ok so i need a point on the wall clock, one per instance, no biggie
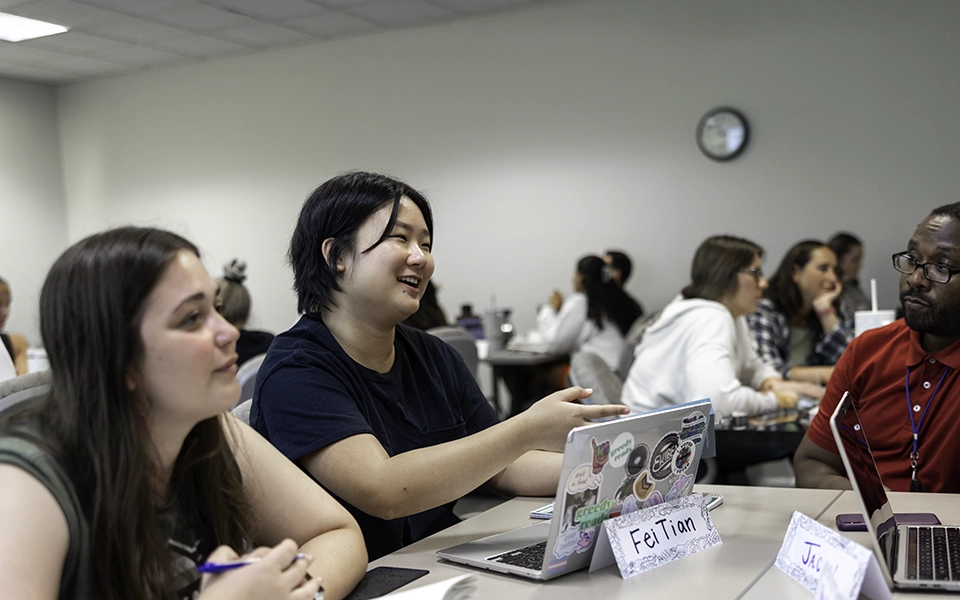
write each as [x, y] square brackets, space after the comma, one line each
[722, 133]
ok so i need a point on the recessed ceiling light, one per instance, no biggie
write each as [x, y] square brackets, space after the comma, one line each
[17, 29]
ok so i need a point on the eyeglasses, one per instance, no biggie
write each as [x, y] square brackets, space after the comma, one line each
[757, 273]
[934, 272]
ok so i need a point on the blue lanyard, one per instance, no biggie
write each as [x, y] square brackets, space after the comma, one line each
[915, 456]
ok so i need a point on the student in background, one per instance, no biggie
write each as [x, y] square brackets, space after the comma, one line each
[595, 318]
[620, 267]
[700, 347]
[130, 472]
[799, 327]
[388, 418]
[15, 346]
[849, 251]
[235, 308]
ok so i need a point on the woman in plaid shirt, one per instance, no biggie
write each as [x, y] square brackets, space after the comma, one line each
[799, 327]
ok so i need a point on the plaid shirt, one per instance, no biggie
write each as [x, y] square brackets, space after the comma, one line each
[771, 330]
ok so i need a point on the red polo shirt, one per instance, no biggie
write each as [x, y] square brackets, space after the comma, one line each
[873, 369]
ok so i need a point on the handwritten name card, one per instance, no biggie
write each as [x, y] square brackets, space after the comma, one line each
[658, 535]
[826, 563]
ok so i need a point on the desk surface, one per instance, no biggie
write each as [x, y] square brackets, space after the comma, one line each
[752, 522]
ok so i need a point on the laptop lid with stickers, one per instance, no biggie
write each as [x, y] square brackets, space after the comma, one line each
[610, 468]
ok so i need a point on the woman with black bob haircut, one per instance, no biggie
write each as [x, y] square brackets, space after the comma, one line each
[799, 326]
[387, 417]
[700, 345]
[130, 472]
[593, 319]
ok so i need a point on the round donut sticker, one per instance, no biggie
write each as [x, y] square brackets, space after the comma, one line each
[683, 457]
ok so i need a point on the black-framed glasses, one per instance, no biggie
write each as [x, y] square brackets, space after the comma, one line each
[936, 273]
[756, 272]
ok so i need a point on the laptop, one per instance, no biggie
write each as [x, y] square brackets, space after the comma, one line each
[610, 468]
[911, 556]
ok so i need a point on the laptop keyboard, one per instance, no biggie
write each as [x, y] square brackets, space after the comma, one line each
[530, 557]
[933, 553]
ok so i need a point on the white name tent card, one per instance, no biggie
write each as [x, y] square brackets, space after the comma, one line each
[646, 539]
[809, 550]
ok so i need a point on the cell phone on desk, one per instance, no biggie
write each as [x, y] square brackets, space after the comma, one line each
[854, 521]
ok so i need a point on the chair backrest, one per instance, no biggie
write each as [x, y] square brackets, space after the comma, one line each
[588, 370]
[247, 376]
[242, 410]
[462, 341]
[632, 340]
[23, 387]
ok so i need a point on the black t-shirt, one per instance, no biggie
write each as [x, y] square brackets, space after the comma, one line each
[310, 394]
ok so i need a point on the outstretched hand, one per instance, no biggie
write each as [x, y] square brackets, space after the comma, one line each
[551, 418]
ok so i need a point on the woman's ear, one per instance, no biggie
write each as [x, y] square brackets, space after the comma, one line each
[131, 381]
[326, 248]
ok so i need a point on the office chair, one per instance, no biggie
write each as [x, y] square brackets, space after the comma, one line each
[242, 410]
[18, 389]
[247, 377]
[460, 340]
[589, 371]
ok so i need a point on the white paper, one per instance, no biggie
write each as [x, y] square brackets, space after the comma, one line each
[658, 535]
[463, 587]
[809, 549]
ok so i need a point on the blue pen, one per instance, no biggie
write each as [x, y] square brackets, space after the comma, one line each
[220, 567]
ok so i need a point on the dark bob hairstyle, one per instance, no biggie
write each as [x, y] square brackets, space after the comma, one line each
[336, 210]
[716, 264]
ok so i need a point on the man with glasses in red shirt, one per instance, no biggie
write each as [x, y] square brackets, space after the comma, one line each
[904, 378]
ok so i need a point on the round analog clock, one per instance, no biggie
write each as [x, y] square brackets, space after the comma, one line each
[722, 134]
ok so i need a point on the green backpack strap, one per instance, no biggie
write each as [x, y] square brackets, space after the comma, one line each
[19, 452]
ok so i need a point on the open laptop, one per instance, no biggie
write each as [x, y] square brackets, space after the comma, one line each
[911, 556]
[610, 468]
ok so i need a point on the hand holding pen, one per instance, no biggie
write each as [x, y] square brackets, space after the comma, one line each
[266, 573]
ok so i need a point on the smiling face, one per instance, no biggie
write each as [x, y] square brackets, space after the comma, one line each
[189, 362]
[745, 298]
[819, 275]
[383, 285]
[933, 308]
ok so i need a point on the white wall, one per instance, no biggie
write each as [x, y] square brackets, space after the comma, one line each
[32, 216]
[542, 135]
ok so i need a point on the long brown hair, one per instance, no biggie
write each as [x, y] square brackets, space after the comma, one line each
[91, 306]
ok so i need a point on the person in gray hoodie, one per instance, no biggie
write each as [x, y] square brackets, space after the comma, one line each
[700, 346]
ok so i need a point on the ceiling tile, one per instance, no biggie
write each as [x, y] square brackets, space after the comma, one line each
[203, 18]
[264, 35]
[140, 56]
[273, 11]
[21, 53]
[135, 30]
[81, 65]
[200, 46]
[62, 12]
[33, 74]
[400, 13]
[72, 42]
[477, 6]
[333, 25]
[138, 7]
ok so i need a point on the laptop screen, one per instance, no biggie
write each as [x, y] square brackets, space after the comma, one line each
[865, 477]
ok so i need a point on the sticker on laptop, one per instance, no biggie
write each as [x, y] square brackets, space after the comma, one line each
[693, 427]
[661, 462]
[621, 449]
[601, 454]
